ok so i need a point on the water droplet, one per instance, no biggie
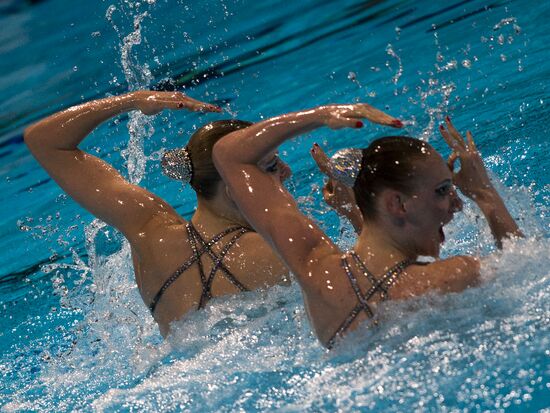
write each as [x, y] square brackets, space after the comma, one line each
[467, 64]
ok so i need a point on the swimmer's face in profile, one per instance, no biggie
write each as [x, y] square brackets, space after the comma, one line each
[431, 205]
[274, 165]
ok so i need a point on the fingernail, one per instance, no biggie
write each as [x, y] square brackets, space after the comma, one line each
[397, 123]
[358, 124]
[447, 118]
[441, 127]
[316, 145]
[180, 105]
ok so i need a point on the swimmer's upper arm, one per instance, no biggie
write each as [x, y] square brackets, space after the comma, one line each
[273, 213]
[100, 189]
[453, 274]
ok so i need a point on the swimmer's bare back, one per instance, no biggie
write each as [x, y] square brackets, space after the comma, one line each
[157, 233]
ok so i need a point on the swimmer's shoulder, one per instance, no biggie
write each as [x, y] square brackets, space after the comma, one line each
[256, 260]
[452, 274]
[163, 233]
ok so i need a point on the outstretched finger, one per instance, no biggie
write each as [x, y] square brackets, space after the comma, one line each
[198, 106]
[471, 144]
[183, 101]
[349, 120]
[377, 116]
[455, 134]
[321, 159]
[448, 138]
[328, 192]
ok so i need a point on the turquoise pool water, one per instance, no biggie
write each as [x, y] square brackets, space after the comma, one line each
[74, 334]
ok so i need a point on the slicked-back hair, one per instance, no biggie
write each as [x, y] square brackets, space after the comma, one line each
[388, 162]
[205, 176]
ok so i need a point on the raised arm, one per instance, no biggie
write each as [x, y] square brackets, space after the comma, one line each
[473, 181]
[94, 184]
[263, 199]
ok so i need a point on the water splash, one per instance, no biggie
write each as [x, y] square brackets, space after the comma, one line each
[399, 72]
[138, 76]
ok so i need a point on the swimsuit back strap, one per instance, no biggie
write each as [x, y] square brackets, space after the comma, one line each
[386, 282]
[170, 281]
[218, 264]
[194, 239]
[197, 253]
[221, 265]
[362, 306]
[218, 261]
[370, 276]
[390, 278]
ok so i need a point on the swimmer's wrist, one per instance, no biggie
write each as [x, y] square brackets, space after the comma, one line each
[130, 101]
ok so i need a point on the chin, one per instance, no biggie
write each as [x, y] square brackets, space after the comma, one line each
[431, 251]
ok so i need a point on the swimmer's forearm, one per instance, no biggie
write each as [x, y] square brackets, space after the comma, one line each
[498, 217]
[252, 144]
[66, 129]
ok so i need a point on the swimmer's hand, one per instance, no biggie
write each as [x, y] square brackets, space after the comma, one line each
[337, 195]
[349, 116]
[153, 102]
[473, 181]
[472, 178]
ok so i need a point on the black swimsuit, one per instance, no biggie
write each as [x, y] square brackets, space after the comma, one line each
[199, 246]
[382, 285]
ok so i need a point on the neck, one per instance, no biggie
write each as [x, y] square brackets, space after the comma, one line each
[379, 249]
[212, 217]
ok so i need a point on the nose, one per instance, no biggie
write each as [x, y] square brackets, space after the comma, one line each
[456, 202]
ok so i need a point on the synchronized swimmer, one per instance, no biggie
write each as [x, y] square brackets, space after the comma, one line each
[178, 265]
[405, 194]
[398, 193]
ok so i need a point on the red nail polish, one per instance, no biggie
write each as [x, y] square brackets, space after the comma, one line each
[447, 118]
[441, 127]
[397, 123]
[316, 145]
[180, 105]
[359, 124]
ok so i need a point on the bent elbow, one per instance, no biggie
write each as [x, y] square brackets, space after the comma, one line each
[220, 156]
[29, 136]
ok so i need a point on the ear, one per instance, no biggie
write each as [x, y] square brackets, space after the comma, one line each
[394, 202]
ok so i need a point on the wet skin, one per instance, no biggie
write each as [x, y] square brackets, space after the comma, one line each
[431, 205]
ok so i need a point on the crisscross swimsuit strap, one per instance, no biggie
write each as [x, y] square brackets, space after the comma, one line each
[217, 260]
[198, 251]
[381, 285]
